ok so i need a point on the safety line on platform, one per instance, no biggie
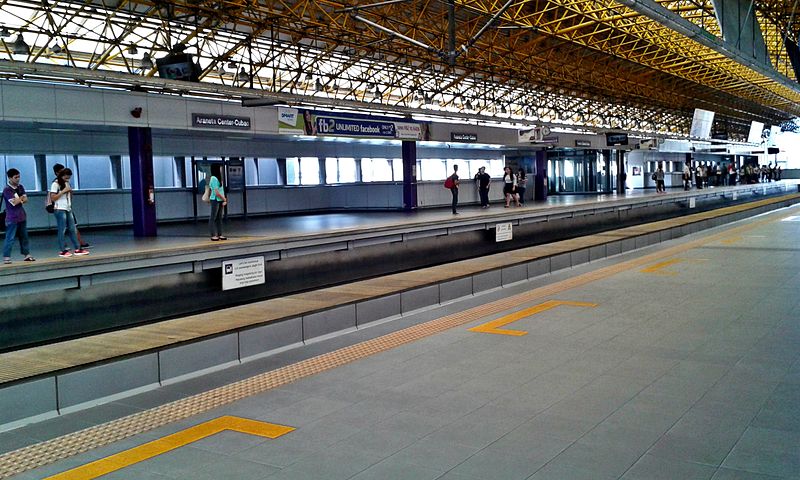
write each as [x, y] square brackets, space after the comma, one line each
[66, 446]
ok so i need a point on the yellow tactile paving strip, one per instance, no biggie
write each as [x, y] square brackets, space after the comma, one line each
[50, 451]
[32, 362]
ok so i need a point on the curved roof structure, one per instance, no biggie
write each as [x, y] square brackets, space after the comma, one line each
[637, 65]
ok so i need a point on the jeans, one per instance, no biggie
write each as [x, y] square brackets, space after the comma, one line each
[65, 223]
[484, 193]
[215, 219]
[454, 191]
[16, 230]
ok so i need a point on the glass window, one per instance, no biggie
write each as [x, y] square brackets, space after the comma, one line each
[431, 169]
[94, 172]
[268, 172]
[250, 171]
[397, 169]
[309, 171]
[293, 171]
[495, 167]
[50, 160]
[165, 175]
[376, 170]
[187, 162]
[26, 164]
[340, 170]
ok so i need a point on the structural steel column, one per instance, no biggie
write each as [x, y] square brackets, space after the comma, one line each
[621, 173]
[540, 184]
[140, 148]
[409, 175]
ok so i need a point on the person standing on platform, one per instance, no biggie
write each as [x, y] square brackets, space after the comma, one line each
[483, 181]
[61, 196]
[522, 184]
[687, 176]
[57, 168]
[14, 197]
[218, 203]
[453, 182]
[660, 188]
[509, 186]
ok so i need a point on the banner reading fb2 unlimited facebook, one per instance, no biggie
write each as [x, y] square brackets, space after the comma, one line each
[302, 121]
[354, 127]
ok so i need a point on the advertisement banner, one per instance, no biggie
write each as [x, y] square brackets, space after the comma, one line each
[299, 121]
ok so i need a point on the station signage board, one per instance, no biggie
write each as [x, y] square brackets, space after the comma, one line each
[225, 122]
[503, 232]
[463, 137]
[583, 143]
[243, 272]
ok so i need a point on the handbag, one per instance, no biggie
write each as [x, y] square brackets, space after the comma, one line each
[207, 194]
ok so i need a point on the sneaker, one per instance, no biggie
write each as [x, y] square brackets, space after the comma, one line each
[65, 254]
[7, 260]
[85, 245]
[81, 251]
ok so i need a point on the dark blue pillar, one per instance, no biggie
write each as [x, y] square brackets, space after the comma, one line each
[140, 148]
[540, 185]
[409, 175]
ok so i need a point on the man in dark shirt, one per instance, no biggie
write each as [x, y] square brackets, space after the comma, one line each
[483, 180]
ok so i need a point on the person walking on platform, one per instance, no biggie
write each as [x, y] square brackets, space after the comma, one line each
[687, 176]
[61, 196]
[659, 176]
[218, 203]
[14, 197]
[453, 186]
[483, 181]
[522, 184]
[509, 186]
[57, 168]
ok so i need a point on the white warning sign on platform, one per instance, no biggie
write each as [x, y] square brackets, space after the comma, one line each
[691, 202]
[242, 272]
[502, 232]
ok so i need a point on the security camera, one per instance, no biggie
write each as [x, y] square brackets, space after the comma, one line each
[136, 112]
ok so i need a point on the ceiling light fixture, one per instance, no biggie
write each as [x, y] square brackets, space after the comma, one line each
[4, 32]
[132, 49]
[20, 47]
[146, 62]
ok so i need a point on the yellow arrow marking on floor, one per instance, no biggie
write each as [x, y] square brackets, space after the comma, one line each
[658, 267]
[171, 442]
[494, 325]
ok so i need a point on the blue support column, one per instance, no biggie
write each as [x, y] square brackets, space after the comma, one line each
[409, 175]
[540, 185]
[140, 148]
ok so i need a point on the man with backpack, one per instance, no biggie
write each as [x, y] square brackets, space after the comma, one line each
[452, 184]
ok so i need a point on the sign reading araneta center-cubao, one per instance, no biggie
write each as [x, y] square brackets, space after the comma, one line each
[242, 272]
[225, 122]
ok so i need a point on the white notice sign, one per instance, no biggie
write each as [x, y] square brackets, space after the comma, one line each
[691, 202]
[242, 272]
[502, 232]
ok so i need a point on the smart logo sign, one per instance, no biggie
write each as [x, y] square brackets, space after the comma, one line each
[202, 120]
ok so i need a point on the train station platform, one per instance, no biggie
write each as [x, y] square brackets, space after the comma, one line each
[675, 358]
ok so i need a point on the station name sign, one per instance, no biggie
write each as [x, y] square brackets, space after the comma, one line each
[463, 137]
[203, 120]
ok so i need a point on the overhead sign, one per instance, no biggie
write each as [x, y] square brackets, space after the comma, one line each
[306, 122]
[243, 272]
[463, 137]
[503, 232]
[613, 139]
[533, 135]
[583, 143]
[204, 120]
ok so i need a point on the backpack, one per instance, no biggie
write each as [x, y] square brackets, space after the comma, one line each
[449, 183]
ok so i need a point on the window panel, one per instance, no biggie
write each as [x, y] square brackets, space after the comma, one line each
[164, 172]
[94, 172]
[347, 170]
[331, 170]
[429, 169]
[26, 164]
[268, 172]
[397, 170]
[309, 171]
[250, 171]
[293, 171]
[376, 170]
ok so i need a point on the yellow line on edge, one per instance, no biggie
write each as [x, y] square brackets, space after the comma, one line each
[656, 268]
[494, 325]
[171, 442]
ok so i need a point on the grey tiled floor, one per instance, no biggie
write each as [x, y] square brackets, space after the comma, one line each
[694, 375]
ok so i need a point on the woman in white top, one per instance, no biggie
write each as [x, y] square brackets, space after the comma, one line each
[510, 186]
[61, 196]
